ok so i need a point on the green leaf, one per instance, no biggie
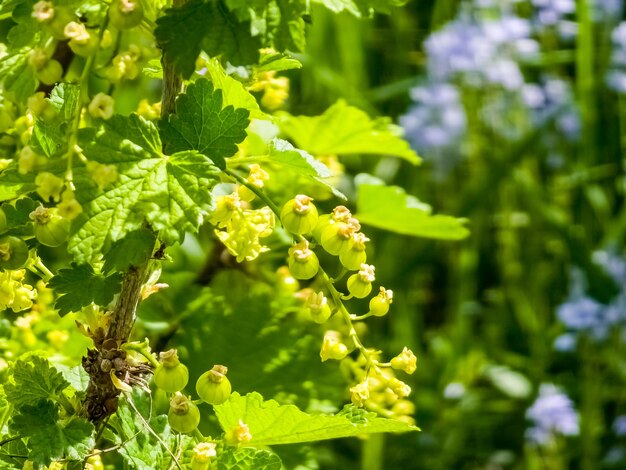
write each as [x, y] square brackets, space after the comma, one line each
[233, 92]
[139, 448]
[50, 135]
[343, 130]
[132, 250]
[209, 25]
[13, 184]
[337, 6]
[201, 123]
[11, 451]
[18, 213]
[277, 62]
[17, 77]
[34, 379]
[50, 438]
[271, 423]
[247, 458]
[284, 154]
[171, 193]
[390, 208]
[265, 350]
[79, 286]
[289, 33]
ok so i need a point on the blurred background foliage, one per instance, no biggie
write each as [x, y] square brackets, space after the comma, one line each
[518, 111]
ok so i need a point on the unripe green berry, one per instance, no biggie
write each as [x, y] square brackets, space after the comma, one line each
[13, 252]
[318, 307]
[126, 14]
[323, 221]
[299, 215]
[405, 361]
[355, 255]
[50, 73]
[332, 347]
[50, 228]
[171, 376]
[303, 263]
[184, 415]
[379, 305]
[336, 237]
[213, 387]
[360, 284]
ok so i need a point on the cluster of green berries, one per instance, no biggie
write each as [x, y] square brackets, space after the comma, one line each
[62, 23]
[172, 376]
[50, 229]
[339, 234]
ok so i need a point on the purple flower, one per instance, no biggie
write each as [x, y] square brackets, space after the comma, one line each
[552, 414]
[619, 426]
[437, 118]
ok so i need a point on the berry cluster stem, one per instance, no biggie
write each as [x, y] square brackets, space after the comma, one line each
[335, 294]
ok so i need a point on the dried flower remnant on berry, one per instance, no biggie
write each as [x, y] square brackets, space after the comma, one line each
[405, 361]
[332, 347]
[101, 106]
[303, 262]
[359, 394]
[43, 11]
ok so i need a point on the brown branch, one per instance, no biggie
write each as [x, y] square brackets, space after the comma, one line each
[102, 396]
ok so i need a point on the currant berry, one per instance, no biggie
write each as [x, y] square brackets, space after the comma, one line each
[13, 252]
[354, 256]
[94, 463]
[379, 305]
[213, 387]
[126, 14]
[299, 215]
[50, 228]
[318, 307]
[50, 73]
[303, 263]
[332, 347]
[405, 361]
[171, 376]
[360, 284]
[336, 237]
[183, 415]
[323, 221]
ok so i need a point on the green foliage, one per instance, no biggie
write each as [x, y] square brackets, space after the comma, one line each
[50, 134]
[17, 214]
[138, 445]
[264, 350]
[247, 458]
[201, 123]
[34, 379]
[49, 437]
[209, 26]
[390, 208]
[131, 251]
[345, 130]
[168, 192]
[17, 78]
[79, 286]
[271, 423]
